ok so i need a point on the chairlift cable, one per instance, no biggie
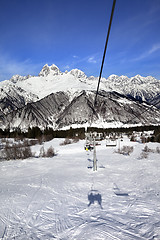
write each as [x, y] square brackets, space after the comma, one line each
[108, 33]
[95, 100]
[105, 48]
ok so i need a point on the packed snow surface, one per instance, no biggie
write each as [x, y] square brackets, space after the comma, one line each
[61, 198]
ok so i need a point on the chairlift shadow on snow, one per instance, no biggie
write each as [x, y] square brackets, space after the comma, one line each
[119, 192]
[90, 163]
[95, 196]
[90, 160]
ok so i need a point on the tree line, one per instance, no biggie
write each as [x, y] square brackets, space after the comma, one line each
[48, 133]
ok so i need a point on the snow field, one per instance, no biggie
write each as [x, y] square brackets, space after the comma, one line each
[47, 198]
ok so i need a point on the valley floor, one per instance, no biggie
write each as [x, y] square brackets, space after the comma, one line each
[61, 198]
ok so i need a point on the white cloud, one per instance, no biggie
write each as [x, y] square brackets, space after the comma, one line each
[74, 56]
[10, 67]
[92, 60]
[153, 49]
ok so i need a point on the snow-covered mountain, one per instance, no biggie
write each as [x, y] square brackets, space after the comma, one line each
[13, 97]
[58, 111]
[59, 99]
[141, 88]
[51, 80]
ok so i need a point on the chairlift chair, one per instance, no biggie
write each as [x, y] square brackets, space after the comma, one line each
[89, 142]
[88, 146]
[111, 142]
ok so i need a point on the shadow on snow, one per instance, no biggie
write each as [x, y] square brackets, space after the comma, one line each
[95, 196]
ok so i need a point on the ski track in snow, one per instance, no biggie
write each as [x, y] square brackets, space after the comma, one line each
[48, 198]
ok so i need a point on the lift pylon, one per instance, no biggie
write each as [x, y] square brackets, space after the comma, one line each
[94, 156]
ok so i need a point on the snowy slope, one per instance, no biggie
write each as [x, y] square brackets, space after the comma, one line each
[51, 80]
[46, 199]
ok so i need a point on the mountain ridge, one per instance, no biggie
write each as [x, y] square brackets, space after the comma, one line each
[62, 99]
[58, 111]
[51, 79]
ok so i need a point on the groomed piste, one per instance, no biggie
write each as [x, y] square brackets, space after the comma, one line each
[61, 198]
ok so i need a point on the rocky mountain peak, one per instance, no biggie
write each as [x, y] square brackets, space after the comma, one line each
[78, 73]
[16, 78]
[138, 79]
[46, 70]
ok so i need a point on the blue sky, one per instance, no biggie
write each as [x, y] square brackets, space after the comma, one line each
[71, 34]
